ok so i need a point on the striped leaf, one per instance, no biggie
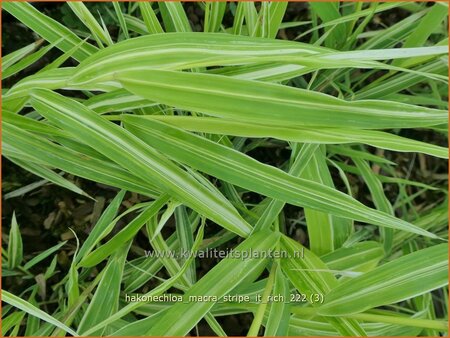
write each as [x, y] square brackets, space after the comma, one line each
[403, 278]
[256, 102]
[183, 316]
[134, 155]
[240, 169]
[15, 245]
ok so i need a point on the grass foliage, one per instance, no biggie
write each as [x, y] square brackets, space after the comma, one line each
[196, 122]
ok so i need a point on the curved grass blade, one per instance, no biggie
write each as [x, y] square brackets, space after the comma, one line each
[48, 175]
[150, 19]
[43, 255]
[374, 138]
[361, 257]
[27, 61]
[123, 24]
[403, 278]
[126, 234]
[179, 319]
[49, 29]
[134, 155]
[142, 325]
[326, 232]
[106, 298]
[12, 58]
[102, 226]
[86, 17]
[18, 143]
[257, 102]
[34, 311]
[189, 50]
[309, 276]
[240, 169]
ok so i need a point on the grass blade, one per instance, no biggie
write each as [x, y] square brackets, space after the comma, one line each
[49, 29]
[184, 316]
[15, 245]
[34, 311]
[253, 101]
[400, 279]
[240, 169]
[134, 155]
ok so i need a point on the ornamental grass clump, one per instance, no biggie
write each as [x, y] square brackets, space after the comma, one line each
[280, 164]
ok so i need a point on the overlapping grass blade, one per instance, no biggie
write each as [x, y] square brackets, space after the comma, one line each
[27, 61]
[102, 227]
[48, 175]
[106, 298]
[379, 198]
[214, 12]
[134, 155]
[184, 316]
[253, 101]
[397, 280]
[309, 275]
[240, 169]
[25, 145]
[326, 232]
[25, 306]
[43, 255]
[361, 257]
[48, 28]
[122, 22]
[150, 19]
[279, 312]
[174, 17]
[377, 139]
[86, 17]
[187, 50]
[124, 235]
[12, 58]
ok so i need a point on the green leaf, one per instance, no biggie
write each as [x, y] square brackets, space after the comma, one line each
[279, 312]
[362, 256]
[174, 17]
[326, 232]
[140, 326]
[131, 153]
[301, 134]
[43, 255]
[106, 298]
[49, 175]
[150, 19]
[127, 233]
[379, 198]
[34, 311]
[48, 28]
[403, 278]
[19, 143]
[256, 102]
[310, 276]
[329, 11]
[102, 227]
[13, 57]
[27, 61]
[240, 169]
[182, 317]
[123, 24]
[15, 246]
[86, 17]
[214, 12]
